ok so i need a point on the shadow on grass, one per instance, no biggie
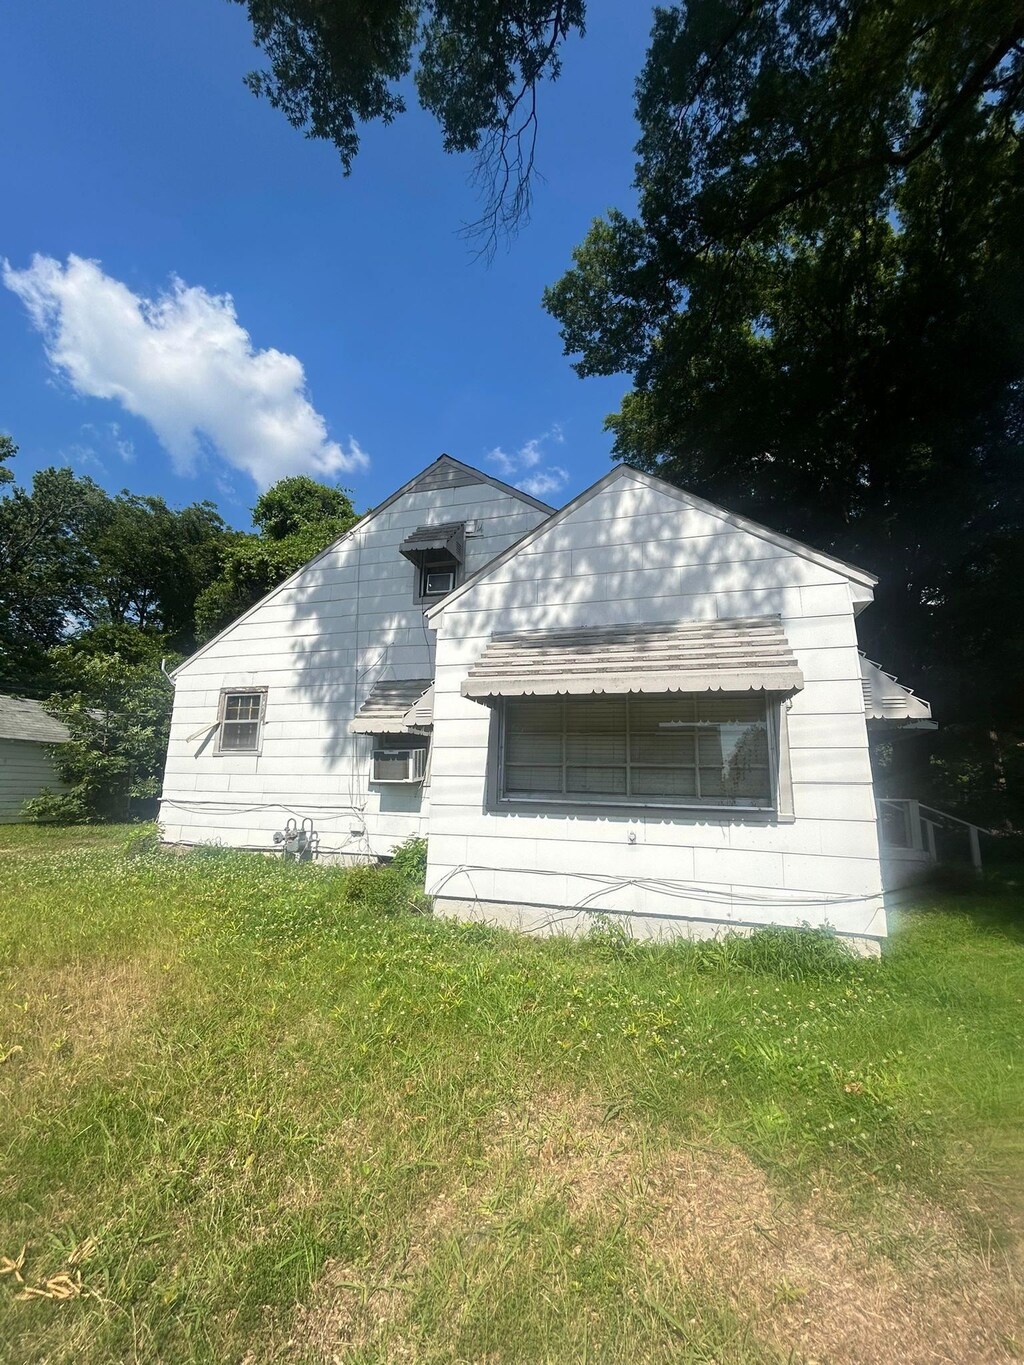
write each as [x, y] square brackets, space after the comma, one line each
[993, 902]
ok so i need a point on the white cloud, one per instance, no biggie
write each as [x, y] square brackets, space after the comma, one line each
[525, 468]
[109, 433]
[183, 363]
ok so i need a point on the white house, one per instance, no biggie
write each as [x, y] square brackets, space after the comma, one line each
[27, 736]
[640, 706]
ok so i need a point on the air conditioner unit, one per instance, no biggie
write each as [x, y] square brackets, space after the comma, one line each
[399, 765]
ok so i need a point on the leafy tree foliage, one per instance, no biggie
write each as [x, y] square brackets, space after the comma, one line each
[296, 519]
[116, 704]
[96, 590]
[335, 64]
[151, 562]
[46, 568]
[8, 450]
[821, 302]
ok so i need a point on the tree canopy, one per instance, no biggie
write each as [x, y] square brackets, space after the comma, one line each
[96, 590]
[477, 67]
[821, 303]
[295, 520]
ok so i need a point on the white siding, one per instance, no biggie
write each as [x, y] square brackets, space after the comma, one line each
[318, 646]
[25, 769]
[633, 554]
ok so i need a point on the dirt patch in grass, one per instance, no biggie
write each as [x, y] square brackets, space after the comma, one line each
[902, 1285]
[77, 1011]
[813, 1281]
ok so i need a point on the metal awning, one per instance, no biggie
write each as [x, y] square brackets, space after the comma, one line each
[739, 655]
[888, 702]
[447, 539]
[396, 706]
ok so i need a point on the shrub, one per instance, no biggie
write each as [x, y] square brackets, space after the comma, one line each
[409, 860]
[58, 808]
[378, 888]
[791, 954]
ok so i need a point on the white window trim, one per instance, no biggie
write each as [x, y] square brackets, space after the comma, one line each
[422, 568]
[779, 808]
[226, 692]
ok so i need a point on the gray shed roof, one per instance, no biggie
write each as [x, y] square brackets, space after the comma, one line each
[739, 655]
[23, 718]
[396, 706]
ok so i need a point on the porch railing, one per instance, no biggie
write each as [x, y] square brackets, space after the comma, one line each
[912, 825]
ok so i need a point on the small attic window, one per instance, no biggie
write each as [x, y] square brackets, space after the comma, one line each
[438, 573]
[437, 553]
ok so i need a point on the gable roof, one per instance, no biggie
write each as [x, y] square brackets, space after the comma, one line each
[620, 471]
[445, 472]
[25, 719]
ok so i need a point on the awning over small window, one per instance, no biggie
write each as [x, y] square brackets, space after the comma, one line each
[448, 539]
[888, 702]
[740, 655]
[396, 706]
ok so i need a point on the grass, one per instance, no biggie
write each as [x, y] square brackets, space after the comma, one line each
[258, 1112]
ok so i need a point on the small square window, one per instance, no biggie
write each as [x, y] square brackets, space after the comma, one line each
[241, 720]
[437, 582]
[438, 575]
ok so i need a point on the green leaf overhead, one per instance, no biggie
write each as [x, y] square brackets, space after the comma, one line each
[477, 67]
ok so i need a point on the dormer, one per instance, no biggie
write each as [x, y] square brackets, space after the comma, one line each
[438, 554]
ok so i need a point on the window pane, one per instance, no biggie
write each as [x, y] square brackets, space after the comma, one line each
[678, 782]
[710, 748]
[671, 746]
[438, 583]
[240, 735]
[596, 717]
[537, 717]
[520, 778]
[242, 706]
[595, 750]
[609, 781]
[753, 783]
[656, 715]
[523, 747]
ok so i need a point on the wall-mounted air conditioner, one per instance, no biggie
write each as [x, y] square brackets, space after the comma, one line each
[399, 765]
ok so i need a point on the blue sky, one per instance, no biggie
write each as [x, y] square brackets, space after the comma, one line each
[131, 141]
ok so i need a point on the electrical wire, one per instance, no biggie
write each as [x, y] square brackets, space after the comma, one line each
[680, 890]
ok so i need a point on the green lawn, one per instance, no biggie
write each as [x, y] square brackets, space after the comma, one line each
[257, 1112]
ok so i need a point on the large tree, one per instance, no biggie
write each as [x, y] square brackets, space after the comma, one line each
[47, 581]
[478, 65]
[151, 562]
[821, 303]
[295, 520]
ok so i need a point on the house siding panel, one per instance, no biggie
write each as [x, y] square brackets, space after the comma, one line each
[319, 644]
[636, 555]
[25, 769]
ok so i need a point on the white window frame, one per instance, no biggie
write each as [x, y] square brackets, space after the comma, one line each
[222, 720]
[424, 567]
[779, 805]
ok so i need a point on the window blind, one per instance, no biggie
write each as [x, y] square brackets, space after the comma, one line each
[704, 749]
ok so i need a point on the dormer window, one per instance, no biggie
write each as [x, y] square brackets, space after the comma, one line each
[438, 575]
[437, 554]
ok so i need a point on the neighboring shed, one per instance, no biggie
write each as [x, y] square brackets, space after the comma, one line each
[27, 736]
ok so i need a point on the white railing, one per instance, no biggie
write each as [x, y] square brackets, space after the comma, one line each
[912, 825]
